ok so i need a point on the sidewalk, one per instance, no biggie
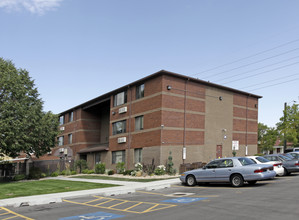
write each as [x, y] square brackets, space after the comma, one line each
[124, 188]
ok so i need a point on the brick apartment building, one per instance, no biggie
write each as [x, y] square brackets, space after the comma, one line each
[161, 113]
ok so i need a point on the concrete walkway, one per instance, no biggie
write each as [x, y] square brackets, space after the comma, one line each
[124, 188]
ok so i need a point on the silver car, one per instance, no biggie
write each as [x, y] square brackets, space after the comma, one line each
[234, 170]
[290, 165]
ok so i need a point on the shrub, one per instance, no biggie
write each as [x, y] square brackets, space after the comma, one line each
[19, 177]
[54, 174]
[43, 175]
[169, 166]
[100, 168]
[90, 172]
[160, 170]
[149, 168]
[73, 172]
[81, 164]
[34, 173]
[120, 167]
[66, 172]
[85, 171]
[110, 172]
[128, 172]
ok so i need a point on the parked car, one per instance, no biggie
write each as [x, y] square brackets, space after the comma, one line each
[278, 168]
[290, 165]
[294, 155]
[234, 170]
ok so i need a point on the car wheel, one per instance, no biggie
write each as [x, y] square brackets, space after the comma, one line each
[190, 180]
[237, 180]
[252, 182]
[285, 172]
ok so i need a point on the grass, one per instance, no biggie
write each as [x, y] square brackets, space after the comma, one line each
[30, 188]
[120, 178]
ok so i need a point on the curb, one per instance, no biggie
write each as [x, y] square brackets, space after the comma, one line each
[59, 197]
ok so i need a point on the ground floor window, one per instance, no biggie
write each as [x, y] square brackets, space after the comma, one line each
[97, 157]
[118, 156]
[138, 155]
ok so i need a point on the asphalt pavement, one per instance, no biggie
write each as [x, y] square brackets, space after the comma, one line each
[125, 187]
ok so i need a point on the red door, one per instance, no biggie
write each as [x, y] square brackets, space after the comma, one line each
[219, 151]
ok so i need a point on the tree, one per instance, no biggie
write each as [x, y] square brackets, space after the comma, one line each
[24, 127]
[288, 126]
[266, 137]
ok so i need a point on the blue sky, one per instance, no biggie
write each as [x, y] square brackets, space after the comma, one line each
[76, 50]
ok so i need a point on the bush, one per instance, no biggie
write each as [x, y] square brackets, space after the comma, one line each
[19, 177]
[120, 167]
[85, 171]
[73, 172]
[81, 164]
[66, 172]
[90, 172]
[54, 174]
[128, 172]
[43, 175]
[110, 172]
[160, 170]
[100, 168]
[34, 173]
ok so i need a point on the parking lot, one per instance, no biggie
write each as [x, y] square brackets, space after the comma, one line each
[273, 199]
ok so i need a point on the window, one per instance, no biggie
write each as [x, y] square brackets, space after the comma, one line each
[245, 161]
[212, 164]
[140, 91]
[120, 98]
[118, 156]
[139, 123]
[60, 141]
[61, 120]
[225, 163]
[119, 127]
[71, 116]
[138, 155]
[97, 157]
[70, 137]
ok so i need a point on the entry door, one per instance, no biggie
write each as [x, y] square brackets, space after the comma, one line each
[219, 151]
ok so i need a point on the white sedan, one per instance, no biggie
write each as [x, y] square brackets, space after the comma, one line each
[278, 168]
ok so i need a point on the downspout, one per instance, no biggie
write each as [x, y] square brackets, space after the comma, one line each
[130, 136]
[246, 135]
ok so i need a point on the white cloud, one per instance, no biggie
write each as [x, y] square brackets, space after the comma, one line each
[33, 6]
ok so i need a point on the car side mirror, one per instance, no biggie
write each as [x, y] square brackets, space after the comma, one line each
[204, 167]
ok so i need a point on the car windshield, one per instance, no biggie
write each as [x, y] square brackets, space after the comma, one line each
[262, 159]
[284, 157]
[245, 161]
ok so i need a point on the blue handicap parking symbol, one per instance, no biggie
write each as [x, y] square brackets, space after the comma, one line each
[184, 200]
[95, 215]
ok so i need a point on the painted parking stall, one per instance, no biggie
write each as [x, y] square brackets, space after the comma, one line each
[94, 216]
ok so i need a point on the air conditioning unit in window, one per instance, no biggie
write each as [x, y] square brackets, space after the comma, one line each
[62, 128]
[61, 150]
[122, 140]
[122, 110]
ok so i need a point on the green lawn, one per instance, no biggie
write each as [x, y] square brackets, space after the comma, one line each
[119, 178]
[30, 188]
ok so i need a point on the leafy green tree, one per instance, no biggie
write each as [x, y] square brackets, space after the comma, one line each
[24, 127]
[288, 126]
[266, 137]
